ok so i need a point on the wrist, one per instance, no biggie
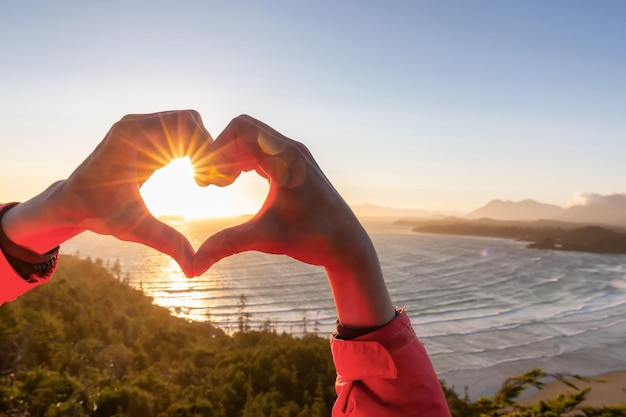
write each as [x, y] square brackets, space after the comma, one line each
[41, 223]
[33, 267]
[346, 332]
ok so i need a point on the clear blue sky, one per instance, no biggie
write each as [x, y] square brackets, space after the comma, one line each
[436, 105]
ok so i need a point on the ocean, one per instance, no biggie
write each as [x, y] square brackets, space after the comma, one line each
[485, 309]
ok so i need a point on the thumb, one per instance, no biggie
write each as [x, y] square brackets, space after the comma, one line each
[225, 243]
[153, 233]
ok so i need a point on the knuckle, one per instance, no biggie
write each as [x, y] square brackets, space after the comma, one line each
[229, 246]
[238, 122]
[128, 117]
[303, 148]
[194, 113]
[119, 125]
[243, 118]
[191, 118]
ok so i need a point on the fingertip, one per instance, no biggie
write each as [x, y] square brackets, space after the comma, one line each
[201, 178]
[186, 264]
[204, 180]
[217, 170]
[220, 177]
[188, 271]
[200, 266]
[185, 259]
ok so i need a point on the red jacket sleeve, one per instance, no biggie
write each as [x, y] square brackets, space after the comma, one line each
[12, 285]
[386, 373]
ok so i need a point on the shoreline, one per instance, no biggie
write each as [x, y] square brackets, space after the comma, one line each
[540, 234]
[606, 389]
[588, 362]
[456, 370]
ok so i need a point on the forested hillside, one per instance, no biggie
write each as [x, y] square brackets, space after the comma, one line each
[87, 344]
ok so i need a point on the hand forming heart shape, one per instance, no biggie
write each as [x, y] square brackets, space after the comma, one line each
[303, 216]
[102, 194]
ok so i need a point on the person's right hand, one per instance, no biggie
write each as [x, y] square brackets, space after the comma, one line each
[303, 217]
[102, 194]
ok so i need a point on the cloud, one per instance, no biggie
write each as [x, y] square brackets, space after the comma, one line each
[588, 199]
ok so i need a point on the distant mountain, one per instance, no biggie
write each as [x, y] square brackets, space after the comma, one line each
[516, 210]
[372, 210]
[588, 208]
[597, 209]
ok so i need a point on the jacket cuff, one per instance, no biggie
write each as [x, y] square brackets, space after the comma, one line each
[13, 285]
[370, 355]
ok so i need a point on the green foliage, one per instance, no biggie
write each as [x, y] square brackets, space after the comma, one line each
[604, 411]
[504, 403]
[89, 345]
[459, 407]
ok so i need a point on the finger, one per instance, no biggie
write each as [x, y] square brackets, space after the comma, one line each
[195, 141]
[227, 158]
[151, 232]
[219, 168]
[225, 243]
[178, 133]
[158, 138]
[184, 134]
[248, 144]
[273, 132]
[173, 134]
[198, 142]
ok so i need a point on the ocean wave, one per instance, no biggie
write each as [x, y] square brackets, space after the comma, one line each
[475, 303]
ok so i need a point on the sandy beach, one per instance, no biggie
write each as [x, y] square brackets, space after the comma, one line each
[606, 389]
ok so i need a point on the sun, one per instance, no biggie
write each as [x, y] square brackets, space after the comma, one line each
[171, 190]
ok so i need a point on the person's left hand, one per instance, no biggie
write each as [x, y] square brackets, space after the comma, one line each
[303, 217]
[102, 194]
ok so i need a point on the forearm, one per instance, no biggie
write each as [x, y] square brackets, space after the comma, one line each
[382, 368]
[358, 287]
[40, 224]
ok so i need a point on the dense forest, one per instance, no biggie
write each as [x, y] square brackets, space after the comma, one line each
[87, 344]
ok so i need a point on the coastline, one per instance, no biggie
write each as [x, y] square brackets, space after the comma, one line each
[540, 234]
[591, 362]
[606, 389]
[483, 368]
